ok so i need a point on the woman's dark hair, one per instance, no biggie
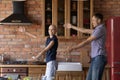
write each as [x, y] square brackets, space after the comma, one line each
[99, 16]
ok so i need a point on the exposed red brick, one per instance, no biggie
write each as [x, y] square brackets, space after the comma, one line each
[107, 7]
[18, 44]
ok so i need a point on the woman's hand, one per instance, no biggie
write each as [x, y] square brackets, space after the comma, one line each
[68, 25]
[34, 58]
[21, 29]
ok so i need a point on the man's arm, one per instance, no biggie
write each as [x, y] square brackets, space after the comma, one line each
[89, 31]
[82, 44]
[83, 30]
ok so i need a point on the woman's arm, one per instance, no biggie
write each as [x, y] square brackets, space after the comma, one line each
[22, 29]
[45, 49]
[89, 31]
[31, 35]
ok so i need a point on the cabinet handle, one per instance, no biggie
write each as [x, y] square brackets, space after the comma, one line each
[116, 62]
[117, 73]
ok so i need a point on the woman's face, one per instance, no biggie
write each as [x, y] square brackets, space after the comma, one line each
[52, 30]
[95, 21]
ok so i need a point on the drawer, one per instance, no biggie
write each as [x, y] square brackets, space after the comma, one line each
[36, 70]
[14, 70]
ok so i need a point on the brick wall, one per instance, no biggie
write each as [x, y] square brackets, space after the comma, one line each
[19, 45]
[107, 7]
[14, 43]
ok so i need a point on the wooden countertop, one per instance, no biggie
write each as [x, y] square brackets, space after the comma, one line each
[87, 66]
[107, 66]
[28, 65]
[2, 65]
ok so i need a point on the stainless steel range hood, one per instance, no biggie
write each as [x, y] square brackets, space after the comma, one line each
[18, 17]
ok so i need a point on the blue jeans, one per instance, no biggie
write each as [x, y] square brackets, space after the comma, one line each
[96, 68]
[50, 70]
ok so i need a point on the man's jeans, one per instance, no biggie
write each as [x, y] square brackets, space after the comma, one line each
[96, 68]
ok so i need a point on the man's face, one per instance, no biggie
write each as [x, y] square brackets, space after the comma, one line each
[51, 30]
[95, 21]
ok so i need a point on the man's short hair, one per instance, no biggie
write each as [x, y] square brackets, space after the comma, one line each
[99, 16]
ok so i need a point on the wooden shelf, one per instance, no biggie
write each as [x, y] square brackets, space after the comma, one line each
[62, 12]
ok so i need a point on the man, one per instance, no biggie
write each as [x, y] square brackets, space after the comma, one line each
[97, 40]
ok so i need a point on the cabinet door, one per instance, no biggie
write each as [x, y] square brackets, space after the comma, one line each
[54, 14]
[86, 15]
[69, 75]
[60, 17]
[76, 75]
[80, 13]
[36, 72]
[59, 12]
[73, 16]
[48, 15]
[62, 76]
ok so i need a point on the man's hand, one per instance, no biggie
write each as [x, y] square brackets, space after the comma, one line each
[68, 25]
[21, 29]
[68, 50]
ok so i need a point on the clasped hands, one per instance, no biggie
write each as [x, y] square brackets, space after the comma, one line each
[68, 50]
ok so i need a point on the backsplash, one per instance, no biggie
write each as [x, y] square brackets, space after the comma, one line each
[17, 45]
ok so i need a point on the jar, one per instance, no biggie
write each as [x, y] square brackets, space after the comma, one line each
[48, 20]
[48, 6]
[2, 58]
[74, 19]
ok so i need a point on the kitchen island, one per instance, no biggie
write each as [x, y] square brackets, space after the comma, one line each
[80, 75]
[34, 71]
[37, 71]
